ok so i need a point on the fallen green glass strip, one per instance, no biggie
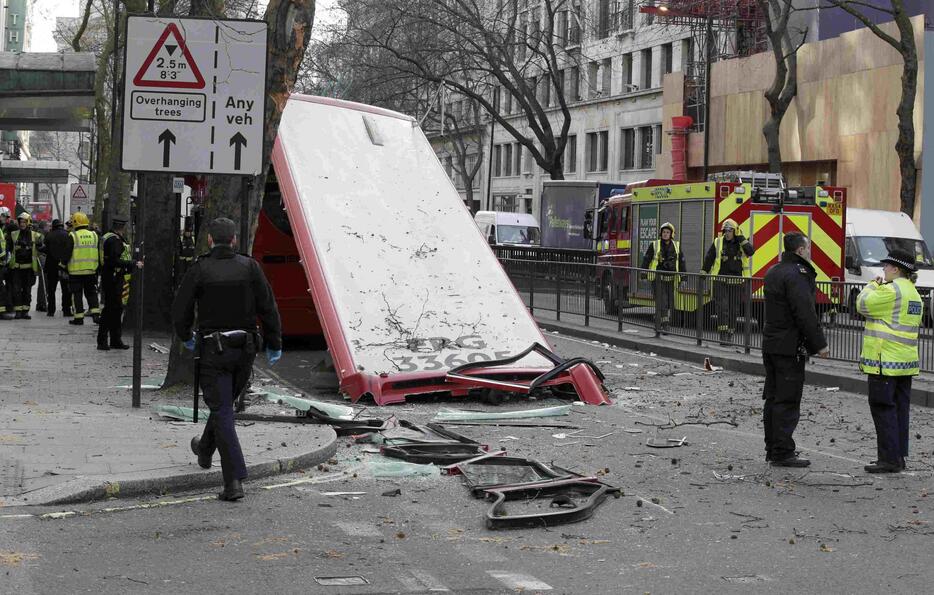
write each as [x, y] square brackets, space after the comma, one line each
[329, 409]
[446, 414]
[180, 413]
[389, 469]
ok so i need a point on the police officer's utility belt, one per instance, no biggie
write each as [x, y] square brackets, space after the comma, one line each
[233, 339]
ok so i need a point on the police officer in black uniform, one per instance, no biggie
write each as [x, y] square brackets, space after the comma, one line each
[792, 332]
[115, 264]
[228, 291]
[56, 255]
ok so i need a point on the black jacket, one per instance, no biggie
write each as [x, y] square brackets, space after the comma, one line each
[57, 245]
[230, 291]
[790, 317]
[112, 251]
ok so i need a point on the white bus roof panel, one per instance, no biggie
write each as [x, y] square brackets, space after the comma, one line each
[402, 278]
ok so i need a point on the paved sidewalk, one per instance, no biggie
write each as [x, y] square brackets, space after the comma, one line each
[828, 373]
[68, 432]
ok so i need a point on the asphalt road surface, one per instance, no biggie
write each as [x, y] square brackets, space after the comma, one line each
[709, 516]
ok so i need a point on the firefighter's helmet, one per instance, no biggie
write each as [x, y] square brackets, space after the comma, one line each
[729, 224]
[669, 225]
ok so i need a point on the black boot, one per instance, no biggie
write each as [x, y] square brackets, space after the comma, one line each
[50, 313]
[204, 461]
[76, 321]
[103, 347]
[792, 461]
[26, 316]
[883, 467]
[232, 491]
[119, 345]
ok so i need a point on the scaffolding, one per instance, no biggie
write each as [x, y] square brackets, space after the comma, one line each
[735, 28]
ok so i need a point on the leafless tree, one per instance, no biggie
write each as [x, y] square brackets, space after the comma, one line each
[785, 41]
[904, 43]
[510, 59]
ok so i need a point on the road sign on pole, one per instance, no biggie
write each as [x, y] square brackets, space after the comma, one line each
[194, 95]
[82, 197]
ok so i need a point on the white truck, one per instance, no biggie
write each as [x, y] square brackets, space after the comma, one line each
[508, 229]
[870, 236]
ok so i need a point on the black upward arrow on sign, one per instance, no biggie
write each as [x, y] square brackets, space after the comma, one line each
[166, 138]
[238, 141]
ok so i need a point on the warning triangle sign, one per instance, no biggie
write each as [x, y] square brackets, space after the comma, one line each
[79, 192]
[169, 64]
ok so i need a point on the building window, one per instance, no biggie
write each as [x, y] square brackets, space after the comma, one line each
[606, 79]
[687, 55]
[658, 139]
[517, 152]
[545, 90]
[626, 77]
[561, 28]
[647, 68]
[449, 167]
[570, 154]
[507, 160]
[471, 164]
[596, 151]
[603, 19]
[667, 58]
[574, 23]
[627, 148]
[560, 86]
[574, 84]
[593, 70]
[647, 147]
[497, 161]
[507, 102]
[626, 11]
[527, 162]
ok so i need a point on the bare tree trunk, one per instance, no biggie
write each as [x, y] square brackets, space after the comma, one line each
[290, 23]
[905, 146]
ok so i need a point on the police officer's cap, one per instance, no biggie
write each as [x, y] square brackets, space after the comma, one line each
[902, 260]
[120, 219]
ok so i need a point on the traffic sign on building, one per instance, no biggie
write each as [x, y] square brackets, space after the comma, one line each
[194, 95]
[82, 197]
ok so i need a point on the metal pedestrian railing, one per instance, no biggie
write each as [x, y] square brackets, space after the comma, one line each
[719, 310]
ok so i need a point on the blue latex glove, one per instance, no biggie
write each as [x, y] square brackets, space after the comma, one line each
[190, 343]
[273, 355]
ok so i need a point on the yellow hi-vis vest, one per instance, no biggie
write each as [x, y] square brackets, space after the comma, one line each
[85, 257]
[125, 255]
[718, 243]
[34, 261]
[654, 264]
[893, 314]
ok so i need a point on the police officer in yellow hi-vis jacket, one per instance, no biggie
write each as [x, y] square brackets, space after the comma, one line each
[893, 311]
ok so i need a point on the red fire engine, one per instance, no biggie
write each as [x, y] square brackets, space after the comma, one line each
[763, 207]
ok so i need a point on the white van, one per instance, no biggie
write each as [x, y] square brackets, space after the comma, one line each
[870, 235]
[509, 229]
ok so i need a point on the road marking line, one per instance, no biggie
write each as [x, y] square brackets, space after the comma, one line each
[17, 516]
[311, 480]
[358, 529]
[67, 514]
[518, 581]
[422, 581]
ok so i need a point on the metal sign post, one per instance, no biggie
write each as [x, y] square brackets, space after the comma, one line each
[194, 94]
